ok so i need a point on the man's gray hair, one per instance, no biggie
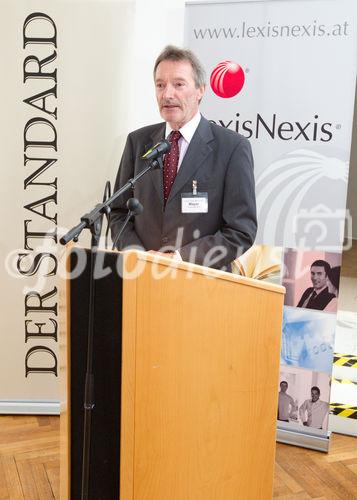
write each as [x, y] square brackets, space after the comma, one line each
[172, 53]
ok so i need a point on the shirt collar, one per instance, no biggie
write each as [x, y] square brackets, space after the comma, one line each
[319, 291]
[188, 129]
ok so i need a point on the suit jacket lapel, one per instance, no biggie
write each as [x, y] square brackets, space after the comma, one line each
[156, 175]
[197, 152]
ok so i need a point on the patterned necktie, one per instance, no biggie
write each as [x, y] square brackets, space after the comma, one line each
[171, 162]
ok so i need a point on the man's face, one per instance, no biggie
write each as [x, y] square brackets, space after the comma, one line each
[176, 92]
[283, 386]
[318, 277]
[314, 395]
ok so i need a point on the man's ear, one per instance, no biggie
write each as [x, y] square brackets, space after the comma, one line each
[202, 90]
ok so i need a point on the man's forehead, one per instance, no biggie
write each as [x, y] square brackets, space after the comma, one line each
[318, 269]
[176, 69]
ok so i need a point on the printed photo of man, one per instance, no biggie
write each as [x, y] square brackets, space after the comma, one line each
[313, 412]
[317, 296]
[286, 404]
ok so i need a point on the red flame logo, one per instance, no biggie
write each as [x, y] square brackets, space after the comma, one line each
[227, 79]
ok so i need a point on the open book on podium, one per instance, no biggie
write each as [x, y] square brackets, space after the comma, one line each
[261, 262]
[186, 366]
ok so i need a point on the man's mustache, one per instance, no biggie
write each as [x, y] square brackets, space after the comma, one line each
[170, 103]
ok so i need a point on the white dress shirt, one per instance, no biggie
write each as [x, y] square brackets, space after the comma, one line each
[316, 413]
[187, 132]
[284, 403]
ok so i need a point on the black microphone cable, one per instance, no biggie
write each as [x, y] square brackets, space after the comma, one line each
[107, 194]
[134, 208]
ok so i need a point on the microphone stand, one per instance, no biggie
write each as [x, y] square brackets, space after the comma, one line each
[93, 221]
[88, 220]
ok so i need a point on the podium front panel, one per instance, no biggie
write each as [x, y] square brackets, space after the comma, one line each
[105, 432]
[200, 384]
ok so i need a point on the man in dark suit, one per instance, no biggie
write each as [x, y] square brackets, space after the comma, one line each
[213, 227]
[317, 296]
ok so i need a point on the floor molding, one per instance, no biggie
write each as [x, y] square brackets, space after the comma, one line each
[29, 407]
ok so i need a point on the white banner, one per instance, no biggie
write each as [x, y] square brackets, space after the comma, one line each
[283, 75]
[72, 87]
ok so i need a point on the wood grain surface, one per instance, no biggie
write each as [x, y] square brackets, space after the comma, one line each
[202, 357]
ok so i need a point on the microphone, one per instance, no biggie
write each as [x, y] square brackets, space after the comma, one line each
[135, 208]
[156, 151]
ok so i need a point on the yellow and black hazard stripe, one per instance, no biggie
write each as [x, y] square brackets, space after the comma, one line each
[349, 360]
[346, 411]
[343, 381]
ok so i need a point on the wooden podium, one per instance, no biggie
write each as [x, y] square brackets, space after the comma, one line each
[195, 368]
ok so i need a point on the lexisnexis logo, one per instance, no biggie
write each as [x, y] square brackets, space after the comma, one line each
[277, 128]
[227, 79]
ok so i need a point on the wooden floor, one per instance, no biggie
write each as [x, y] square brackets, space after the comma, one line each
[304, 474]
[29, 457]
[29, 464]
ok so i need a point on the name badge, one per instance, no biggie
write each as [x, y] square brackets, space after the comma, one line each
[194, 203]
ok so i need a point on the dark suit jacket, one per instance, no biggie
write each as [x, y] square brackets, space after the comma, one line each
[221, 162]
[319, 302]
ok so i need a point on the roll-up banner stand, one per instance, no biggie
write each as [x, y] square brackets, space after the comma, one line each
[72, 88]
[282, 73]
[59, 83]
